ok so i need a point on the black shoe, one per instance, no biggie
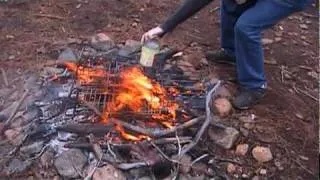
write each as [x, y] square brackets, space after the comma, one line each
[247, 98]
[220, 56]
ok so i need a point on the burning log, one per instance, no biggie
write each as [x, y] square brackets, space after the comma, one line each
[158, 132]
[145, 131]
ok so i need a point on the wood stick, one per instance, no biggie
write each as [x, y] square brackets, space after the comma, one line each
[145, 131]
[127, 166]
[4, 76]
[14, 112]
[305, 93]
[157, 132]
[95, 148]
[161, 141]
[87, 146]
[49, 16]
[84, 129]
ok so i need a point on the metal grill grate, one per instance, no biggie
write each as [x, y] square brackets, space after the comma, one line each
[103, 89]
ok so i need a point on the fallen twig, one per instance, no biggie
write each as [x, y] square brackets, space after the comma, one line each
[157, 132]
[207, 121]
[4, 76]
[90, 174]
[163, 154]
[49, 16]
[303, 167]
[109, 147]
[298, 90]
[127, 166]
[14, 112]
[282, 74]
[179, 144]
[40, 153]
[228, 160]
[95, 147]
[199, 158]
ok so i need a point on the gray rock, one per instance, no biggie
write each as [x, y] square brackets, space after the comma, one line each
[102, 42]
[185, 163]
[67, 55]
[277, 39]
[256, 178]
[313, 74]
[88, 51]
[303, 26]
[204, 61]
[223, 92]
[135, 46]
[130, 48]
[32, 148]
[242, 149]
[262, 154]
[11, 57]
[18, 166]
[46, 158]
[70, 163]
[224, 137]
[15, 136]
[52, 70]
[108, 172]
[5, 92]
[31, 83]
[7, 111]
[136, 173]
[247, 118]
[30, 115]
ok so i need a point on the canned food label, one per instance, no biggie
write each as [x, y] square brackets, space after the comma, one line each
[147, 56]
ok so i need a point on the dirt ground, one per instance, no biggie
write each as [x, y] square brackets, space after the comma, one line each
[287, 118]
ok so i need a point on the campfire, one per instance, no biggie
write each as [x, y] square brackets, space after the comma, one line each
[122, 113]
[123, 96]
[126, 93]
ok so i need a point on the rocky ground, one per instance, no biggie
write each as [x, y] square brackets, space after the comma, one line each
[277, 139]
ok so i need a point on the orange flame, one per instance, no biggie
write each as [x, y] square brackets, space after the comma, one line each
[135, 92]
[86, 75]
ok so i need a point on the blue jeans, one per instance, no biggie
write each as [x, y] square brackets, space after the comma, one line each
[241, 27]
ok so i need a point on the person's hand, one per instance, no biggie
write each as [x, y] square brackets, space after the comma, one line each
[153, 33]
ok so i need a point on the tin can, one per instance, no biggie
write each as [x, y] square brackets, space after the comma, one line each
[148, 52]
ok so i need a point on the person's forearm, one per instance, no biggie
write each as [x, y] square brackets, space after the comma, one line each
[186, 10]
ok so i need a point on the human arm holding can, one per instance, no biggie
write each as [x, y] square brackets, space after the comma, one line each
[186, 10]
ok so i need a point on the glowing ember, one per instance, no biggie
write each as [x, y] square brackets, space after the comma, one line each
[130, 136]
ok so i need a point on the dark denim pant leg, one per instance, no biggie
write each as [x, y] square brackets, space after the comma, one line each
[228, 20]
[248, 47]
[229, 14]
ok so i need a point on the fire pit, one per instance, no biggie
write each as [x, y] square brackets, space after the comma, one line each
[124, 114]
